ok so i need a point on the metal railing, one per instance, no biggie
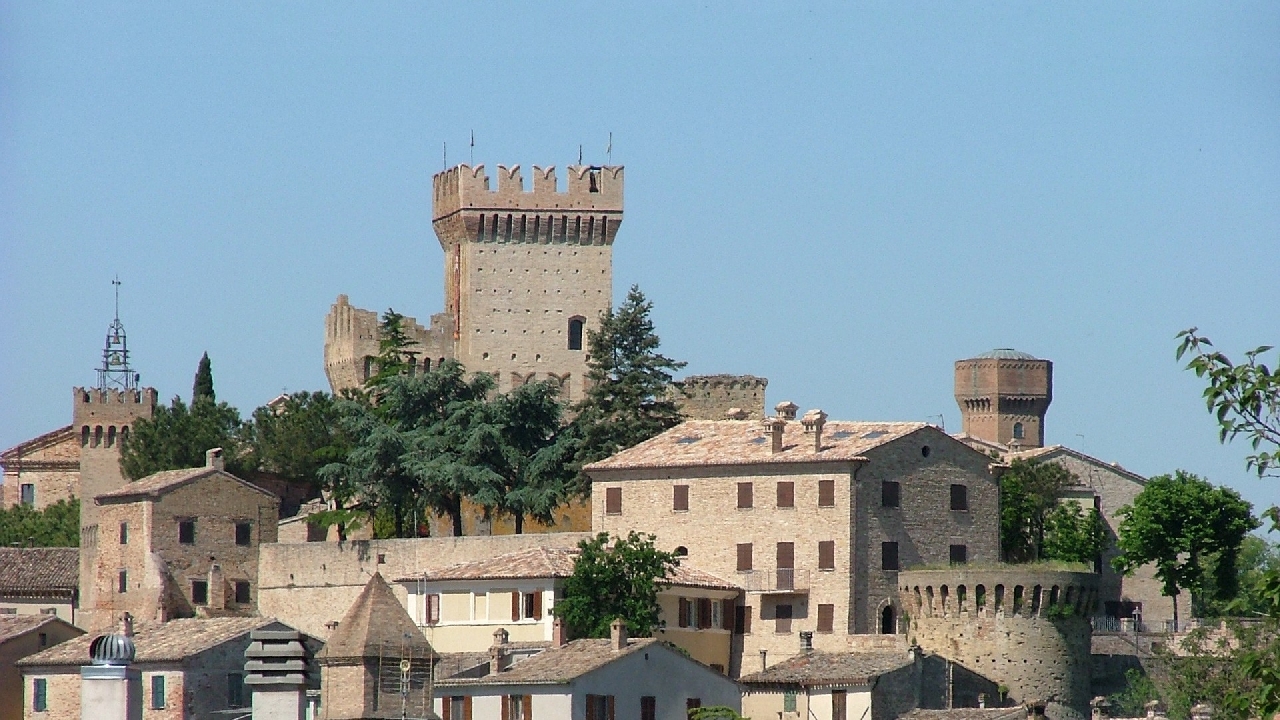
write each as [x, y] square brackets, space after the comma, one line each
[775, 580]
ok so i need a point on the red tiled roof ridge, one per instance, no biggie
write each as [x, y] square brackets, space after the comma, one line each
[37, 442]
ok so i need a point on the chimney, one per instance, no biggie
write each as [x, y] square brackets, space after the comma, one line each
[806, 641]
[735, 413]
[126, 625]
[558, 634]
[499, 653]
[813, 422]
[786, 410]
[618, 634]
[1098, 708]
[774, 427]
[213, 459]
[217, 588]
[982, 700]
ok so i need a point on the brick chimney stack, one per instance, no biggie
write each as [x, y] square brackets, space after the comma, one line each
[618, 634]
[774, 426]
[499, 652]
[813, 422]
[786, 410]
[213, 459]
[559, 636]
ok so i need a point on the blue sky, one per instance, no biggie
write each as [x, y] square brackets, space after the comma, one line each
[844, 198]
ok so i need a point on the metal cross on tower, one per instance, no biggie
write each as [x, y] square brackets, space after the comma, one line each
[115, 372]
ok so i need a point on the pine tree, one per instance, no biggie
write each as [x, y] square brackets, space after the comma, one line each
[202, 388]
[392, 359]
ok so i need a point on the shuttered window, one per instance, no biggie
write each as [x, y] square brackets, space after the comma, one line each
[826, 493]
[680, 498]
[704, 613]
[827, 555]
[432, 609]
[682, 614]
[648, 708]
[742, 620]
[786, 494]
[826, 618]
[782, 619]
[726, 614]
[744, 557]
[613, 501]
[786, 555]
[746, 495]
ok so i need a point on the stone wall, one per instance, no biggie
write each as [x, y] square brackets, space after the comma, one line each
[710, 397]
[994, 394]
[49, 463]
[1022, 628]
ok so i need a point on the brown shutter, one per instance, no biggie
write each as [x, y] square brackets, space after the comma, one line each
[466, 708]
[680, 498]
[827, 555]
[726, 614]
[826, 493]
[745, 495]
[704, 613]
[613, 501]
[608, 707]
[447, 706]
[786, 555]
[746, 619]
[786, 494]
[591, 707]
[537, 605]
[744, 557]
[526, 704]
[515, 605]
[838, 705]
[826, 618]
[506, 707]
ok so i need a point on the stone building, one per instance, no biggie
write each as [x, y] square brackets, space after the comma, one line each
[1003, 396]
[21, 636]
[40, 581]
[835, 686]
[191, 668]
[813, 518]
[42, 470]
[178, 543]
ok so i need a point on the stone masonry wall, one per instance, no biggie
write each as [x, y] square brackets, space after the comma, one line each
[709, 397]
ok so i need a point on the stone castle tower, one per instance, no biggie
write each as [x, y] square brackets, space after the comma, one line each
[1003, 396]
[527, 272]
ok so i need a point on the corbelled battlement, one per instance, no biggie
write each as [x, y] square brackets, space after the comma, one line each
[1015, 592]
[95, 396]
[593, 188]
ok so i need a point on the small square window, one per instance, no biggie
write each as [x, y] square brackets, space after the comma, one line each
[680, 498]
[889, 556]
[244, 533]
[890, 494]
[959, 497]
[827, 555]
[242, 592]
[613, 501]
[744, 557]
[746, 495]
[786, 494]
[959, 554]
[826, 618]
[199, 592]
[187, 532]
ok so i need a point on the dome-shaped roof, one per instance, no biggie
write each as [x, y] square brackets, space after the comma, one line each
[114, 649]
[1005, 354]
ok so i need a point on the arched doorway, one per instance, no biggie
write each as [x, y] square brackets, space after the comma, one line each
[888, 621]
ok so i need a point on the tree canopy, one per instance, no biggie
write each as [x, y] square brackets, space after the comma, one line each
[1036, 524]
[57, 525]
[297, 435]
[177, 437]
[618, 578]
[202, 387]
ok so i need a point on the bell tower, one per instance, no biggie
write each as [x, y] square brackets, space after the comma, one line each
[1003, 396]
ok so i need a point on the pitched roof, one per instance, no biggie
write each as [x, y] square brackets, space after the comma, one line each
[550, 562]
[744, 442]
[824, 668]
[165, 481]
[172, 641]
[559, 665]
[376, 620]
[11, 626]
[1046, 452]
[39, 571]
[53, 437]
[1004, 713]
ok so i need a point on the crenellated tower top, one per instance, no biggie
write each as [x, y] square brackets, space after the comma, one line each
[465, 207]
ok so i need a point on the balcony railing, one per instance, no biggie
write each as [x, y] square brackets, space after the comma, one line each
[775, 580]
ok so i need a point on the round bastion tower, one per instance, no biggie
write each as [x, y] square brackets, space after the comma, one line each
[1026, 631]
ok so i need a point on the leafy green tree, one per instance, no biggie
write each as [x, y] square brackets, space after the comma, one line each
[177, 437]
[1139, 690]
[715, 712]
[202, 388]
[629, 397]
[1028, 494]
[299, 435]
[1179, 523]
[618, 578]
[393, 343]
[1073, 535]
[1245, 397]
[57, 525]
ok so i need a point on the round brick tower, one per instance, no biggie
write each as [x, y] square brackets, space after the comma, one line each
[1024, 629]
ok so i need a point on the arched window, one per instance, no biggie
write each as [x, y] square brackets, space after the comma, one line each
[84, 436]
[888, 621]
[682, 551]
[575, 332]
[1018, 432]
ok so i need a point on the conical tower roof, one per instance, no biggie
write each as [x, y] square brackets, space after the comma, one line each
[375, 625]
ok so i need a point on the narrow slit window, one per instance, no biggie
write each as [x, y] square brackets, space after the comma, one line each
[576, 325]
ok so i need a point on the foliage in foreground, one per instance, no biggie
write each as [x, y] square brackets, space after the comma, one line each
[1036, 524]
[58, 525]
[617, 578]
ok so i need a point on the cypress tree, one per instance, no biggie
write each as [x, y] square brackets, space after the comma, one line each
[203, 385]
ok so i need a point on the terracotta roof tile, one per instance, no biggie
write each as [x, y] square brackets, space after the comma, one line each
[556, 666]
[822, 668]
[11, 626]
[1004, 713]
[52, 437]
[39, 571]
[158, 484]
[744, 442]
[173, 641]
[550, 562]
[375, 621]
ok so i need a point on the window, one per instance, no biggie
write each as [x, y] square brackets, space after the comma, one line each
[889, 556]
[44, 637]
[124, 533]
[786, 494]
[1018, 432]
[959, 497]
[717, 614]
[782, 619]
[600, 707]
[575, 333]
[827, 555]
[888, 621]
[692, 704]
[744, 557]
[457, 707]
[745, 495]
[890, 494]
[959, 554]
[518, 707]
[680, 498]
[244, 531]
[681, 551]
[613, 501]
[839, 703]
[826, 493]
[123, 585]
[532, 605]
[235, 690]
[786, 555]
[40, 695]
[199, 592]
[648, 708]
[682, 613]
[431, 609]
[157, 692]
[27, 493]
[789, 701]
[704, 606]
[187, 532]
[742, 620]
[242, 592]
[826, 618]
